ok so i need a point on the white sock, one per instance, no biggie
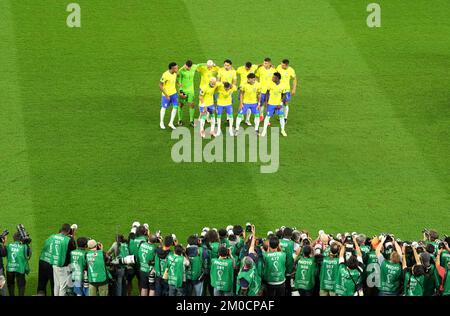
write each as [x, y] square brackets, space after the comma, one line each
[219, 121]
[282, 122]
[256, 123]
[231, 124]
[172, 115]
[202, 124]
[286, 111]
[266, 123]
[213, 123]
[238, 122]
[249, 112]
[162, 113]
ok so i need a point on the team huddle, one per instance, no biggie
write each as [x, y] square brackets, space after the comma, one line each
[261, 88]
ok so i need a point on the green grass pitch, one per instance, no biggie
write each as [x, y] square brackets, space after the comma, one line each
[369, 129]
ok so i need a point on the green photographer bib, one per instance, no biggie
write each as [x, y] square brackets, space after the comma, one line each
[222, 274]
[390, 274]
[59, 244]
[274, 267]
[176, 271]
[195, 269]
[328, 273]
[146, 256]
[96, 266]
[253, 279]
[77, 263]
[305, 274]
[17, 258]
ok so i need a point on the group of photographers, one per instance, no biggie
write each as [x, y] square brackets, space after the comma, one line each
[231, 261]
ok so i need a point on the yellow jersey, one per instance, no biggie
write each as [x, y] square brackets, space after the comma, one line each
[206, 74]
[226, 75]
[225, 97]
[207, 92]
[276, 91]
[265, 77]
[286, 76]
[169, 80]
[251, 92]
[243, 73]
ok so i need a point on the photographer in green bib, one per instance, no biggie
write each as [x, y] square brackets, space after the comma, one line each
[118, 252]
[137, 237]
[248, 282]
[176, 271]
[287, 246]
[306, 270]
[351, 266]
[329, 268]
[18, 254]
[78, 267]
[161, 259]
[390, 268]
[212, 244]
[198, 258]
[413, 284]
[98, 275]
[58, 251]
[275, 265]
[222, 272]
[146, 255]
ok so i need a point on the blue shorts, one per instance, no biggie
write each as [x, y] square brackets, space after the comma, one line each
[272, 108]
[172, 100]
[287, 97]
[81, 290]
[209, 108]
[263, 97]
[253, 107]
[227, 108]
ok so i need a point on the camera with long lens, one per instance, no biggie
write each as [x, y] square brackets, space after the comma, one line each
[127, 260]
[3, 235]
[152, 277]
[349, 245]
[441, 244]
[24, 236]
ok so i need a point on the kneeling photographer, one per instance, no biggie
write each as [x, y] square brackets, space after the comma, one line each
[18, 254]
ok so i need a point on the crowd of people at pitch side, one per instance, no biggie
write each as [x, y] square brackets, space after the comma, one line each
[230, 261]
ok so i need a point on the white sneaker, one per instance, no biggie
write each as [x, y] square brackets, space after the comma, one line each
[248, 123]
[283, 133]
[172, 126]
[263, 133]
[162, 125]
[231, 132]
[218, 132]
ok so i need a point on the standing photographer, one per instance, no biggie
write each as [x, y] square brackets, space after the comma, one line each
[161, 258]
[329, 270]
[413, 276]
[390, 269]
[198, 259]
[176, 269]
[222, 272]
[147, 252]
[306, 271]
[248, 282]
[3, 240]
[18, 253]
[119, 250]
[98, 275]
[348, 281]
[274, 273]
[78, 267]
[287, 246]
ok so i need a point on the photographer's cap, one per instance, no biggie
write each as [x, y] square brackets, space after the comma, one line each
[92, 244]
[425, 258]
[136, 224]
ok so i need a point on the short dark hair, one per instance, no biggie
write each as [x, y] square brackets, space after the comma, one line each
[226, 85]
[168, 241]
[172, 64]
[153, 239]
[16, 236]
[307, 250]
[248, 64]
[178, 250]
[189, 63]
[429, 248]
[285, 61]
[274, 242]
[251, 75]
[334, 249]
[238, 230]
[82, 242]
[211, 236]
[352, 262]
[65, 228]
[140, 231]
[192, 240]
[267, 59]
[278, 75]
[223, 251]
[227, 61]
[223, 231]
[287, 232]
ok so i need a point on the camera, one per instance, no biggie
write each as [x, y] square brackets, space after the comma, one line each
[248, 228]
[3, 235]
[128, 260]
[24, 236]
